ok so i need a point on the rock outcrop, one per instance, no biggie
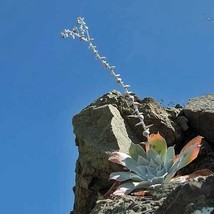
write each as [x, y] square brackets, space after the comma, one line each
[200, 114]
[104, 126]
[196, 194]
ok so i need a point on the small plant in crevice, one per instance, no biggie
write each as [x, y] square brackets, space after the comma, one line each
[154, 165]
[144, 167]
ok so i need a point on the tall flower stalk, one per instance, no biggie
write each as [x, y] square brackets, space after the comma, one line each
[82, 32]
[144, 167]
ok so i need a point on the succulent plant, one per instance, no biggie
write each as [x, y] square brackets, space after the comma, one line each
[154, 165]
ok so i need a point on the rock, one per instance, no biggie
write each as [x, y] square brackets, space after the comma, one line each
[176, 198]
[104, 126]
[163, 119]
[99, 130]
[200, 114]
[183, 123]
[190, 197]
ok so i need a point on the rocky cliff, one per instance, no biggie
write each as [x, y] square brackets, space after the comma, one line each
[103, 127]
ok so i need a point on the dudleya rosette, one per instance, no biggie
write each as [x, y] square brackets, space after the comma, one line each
[154, 165]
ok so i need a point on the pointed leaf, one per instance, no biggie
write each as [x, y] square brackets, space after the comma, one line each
[147, 147]
[170, 157]
[143, 171]
[170, 154]
[184, 178]
[158, 143]
[187, 156]
[162, 172]
[125, 188]
[142, 161]
[123, 176]
[196, 140]
[124, 160]
[135, 150]
[143, 184]
[158, 180]
[152, 164]
[152, 154]
[201, 172]
[157, 160]
[170, 175]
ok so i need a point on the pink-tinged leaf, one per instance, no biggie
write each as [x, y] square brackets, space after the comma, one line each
[184, 178]
[158, 143]
[147, 147]
[197, 140]
[201, 172]
[118, 157]
[187, 156]
[124, 160]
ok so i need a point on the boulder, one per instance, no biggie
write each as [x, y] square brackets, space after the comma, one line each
[99, 130]
[199, 112]
[195, 196]
[104, 126]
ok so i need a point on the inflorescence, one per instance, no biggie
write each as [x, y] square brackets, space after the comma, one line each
[82, 32]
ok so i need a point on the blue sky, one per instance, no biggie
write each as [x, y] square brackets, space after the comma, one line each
[163, 49]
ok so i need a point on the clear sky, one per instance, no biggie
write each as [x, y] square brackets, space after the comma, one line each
[163, 49]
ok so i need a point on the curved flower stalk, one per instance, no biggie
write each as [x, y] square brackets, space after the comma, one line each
[155, 165]
[82, 32]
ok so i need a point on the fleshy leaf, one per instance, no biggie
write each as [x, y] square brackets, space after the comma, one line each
[153, 164]
[158, 143]
[170, 175]
[143, 184]
[128, 187]
[183, 178]
[187, 156]
[151, 154]
[124, 160]
[158, 180]
[125, 188]
[135, 150]
[170, 156]
[196, 140]
[162, 172]
[124, 176]
[142, 161]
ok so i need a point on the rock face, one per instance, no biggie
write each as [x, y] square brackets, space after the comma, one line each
[99, 130]
[103, 127]
[186, 198]
[200, 114]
